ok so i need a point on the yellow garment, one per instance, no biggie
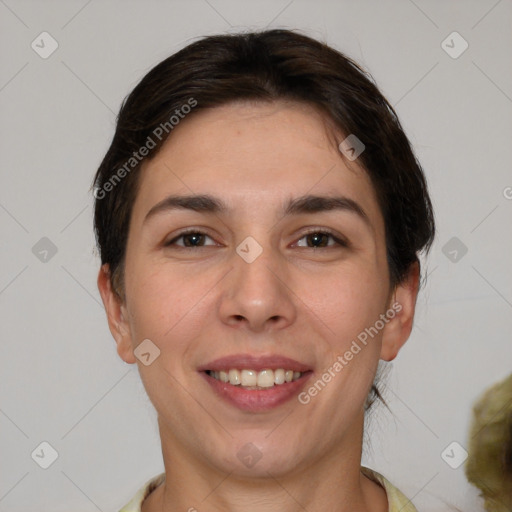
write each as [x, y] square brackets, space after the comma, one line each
[396, 500]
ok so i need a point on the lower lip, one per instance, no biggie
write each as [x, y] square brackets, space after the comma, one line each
[257, 400]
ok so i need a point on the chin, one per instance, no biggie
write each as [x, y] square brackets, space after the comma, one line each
[259, 455]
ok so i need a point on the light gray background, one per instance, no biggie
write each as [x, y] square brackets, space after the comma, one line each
[62, 381]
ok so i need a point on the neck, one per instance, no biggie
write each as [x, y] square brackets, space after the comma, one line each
[331, 483]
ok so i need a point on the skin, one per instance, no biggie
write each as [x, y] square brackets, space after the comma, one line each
[295, 300]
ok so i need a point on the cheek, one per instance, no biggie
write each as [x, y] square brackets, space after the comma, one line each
[346, 301]
[157, 301]
[170, 308]
[350, 307]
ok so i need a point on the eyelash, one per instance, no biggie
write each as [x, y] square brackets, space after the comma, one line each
[340, 242]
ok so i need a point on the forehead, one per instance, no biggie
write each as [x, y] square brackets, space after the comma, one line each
[254, 155]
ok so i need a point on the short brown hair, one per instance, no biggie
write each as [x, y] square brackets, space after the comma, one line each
[267, 66]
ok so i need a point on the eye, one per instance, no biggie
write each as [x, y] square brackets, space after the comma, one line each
[319, 239]
[315, 239]
[191, 239]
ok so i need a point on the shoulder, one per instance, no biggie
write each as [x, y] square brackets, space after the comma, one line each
[397, 501]
[135, 503]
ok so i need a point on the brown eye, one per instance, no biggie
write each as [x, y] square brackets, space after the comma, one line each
[190, 239]
[319, 239]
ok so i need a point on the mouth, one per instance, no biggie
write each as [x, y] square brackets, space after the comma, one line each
[253, 379]
[255, 384]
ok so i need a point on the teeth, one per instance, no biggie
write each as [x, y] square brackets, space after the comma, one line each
[234, 377]
[279, 376]
[249, 378]
[255, 380]
[266, 379]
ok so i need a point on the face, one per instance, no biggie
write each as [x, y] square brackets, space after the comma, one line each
[267, 279]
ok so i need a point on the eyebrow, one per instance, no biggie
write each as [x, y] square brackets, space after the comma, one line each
[304, 204]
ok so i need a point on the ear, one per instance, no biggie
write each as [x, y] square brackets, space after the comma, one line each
[116, 315]
[403, 303]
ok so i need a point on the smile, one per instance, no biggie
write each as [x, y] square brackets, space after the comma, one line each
[253, 379]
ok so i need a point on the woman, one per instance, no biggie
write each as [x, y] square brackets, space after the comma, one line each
[259, 216]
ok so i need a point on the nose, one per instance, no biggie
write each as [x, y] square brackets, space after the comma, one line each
[256, 295]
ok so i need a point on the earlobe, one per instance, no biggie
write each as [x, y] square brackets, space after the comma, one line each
[403, 303]
[116, 316]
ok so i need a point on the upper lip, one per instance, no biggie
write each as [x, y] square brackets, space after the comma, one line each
[252, 362]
